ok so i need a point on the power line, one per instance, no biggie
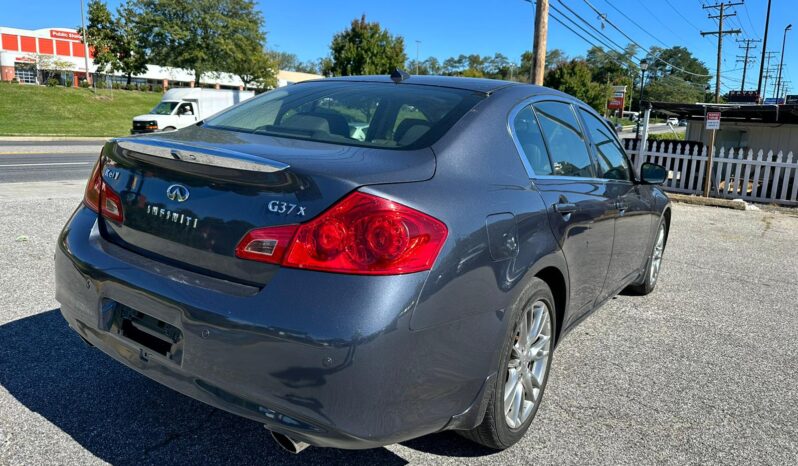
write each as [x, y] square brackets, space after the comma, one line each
[749, 44]
[620, 48]
[604, 17]
[720, 33]
[635, 23]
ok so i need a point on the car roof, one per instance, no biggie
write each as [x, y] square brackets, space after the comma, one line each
[486, 86]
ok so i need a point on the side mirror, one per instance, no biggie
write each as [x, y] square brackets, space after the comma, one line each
[651, 173]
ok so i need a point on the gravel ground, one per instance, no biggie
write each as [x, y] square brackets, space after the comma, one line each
[701, 371]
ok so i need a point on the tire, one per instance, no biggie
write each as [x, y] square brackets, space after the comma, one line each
[648, 281]
[496, 431]
[169, 128]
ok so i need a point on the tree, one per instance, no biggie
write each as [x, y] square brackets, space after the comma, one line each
[200, 34]
[115, 40]
[676, 57]
[673, 88]
[254, 67]
[575, 78]
[366, 48]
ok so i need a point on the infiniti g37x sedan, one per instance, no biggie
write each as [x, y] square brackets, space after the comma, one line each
[356, 262]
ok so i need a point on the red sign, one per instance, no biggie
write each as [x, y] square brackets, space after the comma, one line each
[713, 120]
[615, 103]
[68, 35]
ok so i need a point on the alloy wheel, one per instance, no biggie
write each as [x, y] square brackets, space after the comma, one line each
[527, 365]
[656, 257]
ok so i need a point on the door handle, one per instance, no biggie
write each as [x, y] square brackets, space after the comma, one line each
[565, 208]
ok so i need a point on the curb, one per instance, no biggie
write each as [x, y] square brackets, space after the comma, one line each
[737, 204]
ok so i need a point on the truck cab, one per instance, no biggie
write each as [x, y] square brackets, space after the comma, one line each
[184, 107]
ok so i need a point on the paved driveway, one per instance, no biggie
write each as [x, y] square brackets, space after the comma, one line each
[702, 371]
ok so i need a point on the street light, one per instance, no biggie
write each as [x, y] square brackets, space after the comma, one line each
[643, 68]
[781, 63]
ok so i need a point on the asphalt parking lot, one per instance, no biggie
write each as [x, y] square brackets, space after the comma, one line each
[701, 371]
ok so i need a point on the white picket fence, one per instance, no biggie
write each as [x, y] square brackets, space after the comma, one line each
[759, 176]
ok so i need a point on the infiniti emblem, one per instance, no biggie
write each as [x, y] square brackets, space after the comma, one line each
[177, 192]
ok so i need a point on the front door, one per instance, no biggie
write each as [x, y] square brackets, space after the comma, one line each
[631, 210]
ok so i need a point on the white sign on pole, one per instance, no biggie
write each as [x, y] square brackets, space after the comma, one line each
[713, 120]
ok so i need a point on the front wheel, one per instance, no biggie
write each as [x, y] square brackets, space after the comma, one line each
[523, 371]
[649, 280]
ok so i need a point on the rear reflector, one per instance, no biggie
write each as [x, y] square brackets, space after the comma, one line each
[266, 244]
[361, 234]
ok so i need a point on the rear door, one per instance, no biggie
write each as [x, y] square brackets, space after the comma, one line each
[631, 206]
[580, 212]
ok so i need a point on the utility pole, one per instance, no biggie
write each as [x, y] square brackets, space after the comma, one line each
[85, 46]
[418, 44]
[539, 46]
[767, 74]
[749, 44]
[720, 33]
[759, 88]
[781, 63]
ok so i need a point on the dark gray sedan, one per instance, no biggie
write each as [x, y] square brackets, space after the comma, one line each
[357, 262]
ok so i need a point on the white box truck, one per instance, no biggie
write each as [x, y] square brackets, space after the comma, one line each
[185, 106]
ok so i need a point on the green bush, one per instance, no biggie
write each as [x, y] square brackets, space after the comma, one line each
[15, 80]
[52, 82]
[157, 88]
[83, 83]
[666, 137]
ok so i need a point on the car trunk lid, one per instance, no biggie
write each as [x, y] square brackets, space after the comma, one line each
[189, 197]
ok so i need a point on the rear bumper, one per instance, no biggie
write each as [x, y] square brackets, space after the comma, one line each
[329, 359]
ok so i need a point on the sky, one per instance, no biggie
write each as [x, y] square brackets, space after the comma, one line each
[447, 28]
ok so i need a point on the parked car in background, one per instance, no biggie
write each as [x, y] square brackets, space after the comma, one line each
[182, 107]
[673, 121]
[354, 291]
[634, 116]
[682, 122]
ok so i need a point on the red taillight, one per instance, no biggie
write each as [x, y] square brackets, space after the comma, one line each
[101, 198]
[93, 188]
[362, 234]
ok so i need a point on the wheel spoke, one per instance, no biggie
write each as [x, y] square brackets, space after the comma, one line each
[518, 398]
[539, 314]
[509, 387]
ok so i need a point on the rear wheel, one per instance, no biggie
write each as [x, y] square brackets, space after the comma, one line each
[648, 281]
[523, 372]
[169, 128]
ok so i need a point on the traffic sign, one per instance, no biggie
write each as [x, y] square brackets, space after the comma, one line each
[713, 120]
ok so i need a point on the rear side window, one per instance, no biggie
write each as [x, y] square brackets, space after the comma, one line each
[531, 140]
[382, 115]
[611, 157]
[565, 141]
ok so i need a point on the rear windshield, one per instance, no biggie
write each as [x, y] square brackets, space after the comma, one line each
[384, 115]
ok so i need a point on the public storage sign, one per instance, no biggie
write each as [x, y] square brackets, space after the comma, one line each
[69, 35]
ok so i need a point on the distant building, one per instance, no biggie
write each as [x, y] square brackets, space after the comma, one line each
[742, 126]
[20, 49]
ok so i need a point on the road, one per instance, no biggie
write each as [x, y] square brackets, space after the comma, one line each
[26, 161]
[702, 371]
[655, 128]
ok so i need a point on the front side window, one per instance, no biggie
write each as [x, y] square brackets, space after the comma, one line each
[611, 158]
[163, 108]
[567, 149]
[378, 115]
[530, 139]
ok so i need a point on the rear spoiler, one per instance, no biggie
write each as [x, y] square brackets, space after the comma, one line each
[215, 157]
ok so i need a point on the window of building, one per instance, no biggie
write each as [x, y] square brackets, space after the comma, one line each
[25, 73]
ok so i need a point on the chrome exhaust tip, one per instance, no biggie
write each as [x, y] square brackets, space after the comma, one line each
[288, 444]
